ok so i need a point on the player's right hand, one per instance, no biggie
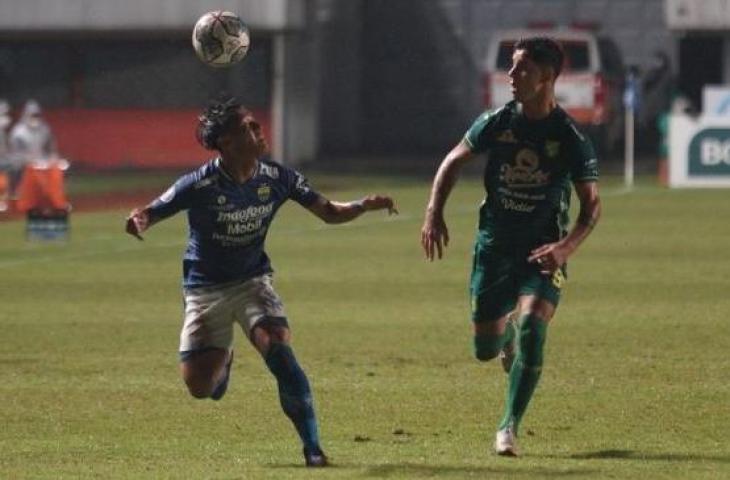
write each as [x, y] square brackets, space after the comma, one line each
[137, 222]
[434, 236]
[380, 202]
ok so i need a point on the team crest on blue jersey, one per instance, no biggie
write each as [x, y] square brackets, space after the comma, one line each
[264, 192]
[221, 199]
[552, 148]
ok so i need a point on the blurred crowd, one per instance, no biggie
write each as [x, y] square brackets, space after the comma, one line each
[28, 141]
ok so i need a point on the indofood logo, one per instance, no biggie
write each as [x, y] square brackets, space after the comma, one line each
[709, 152]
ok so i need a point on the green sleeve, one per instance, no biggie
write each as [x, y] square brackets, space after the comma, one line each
[481, 133]
[582, 157]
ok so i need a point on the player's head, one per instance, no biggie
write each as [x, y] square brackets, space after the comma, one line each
[536, 64]
[544, 51]
[227, 126]
[32, 113]
[4, 114]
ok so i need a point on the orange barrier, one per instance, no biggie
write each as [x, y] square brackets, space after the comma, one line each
[42, 188]
[4, 191]
[136, 138]
[42, 198]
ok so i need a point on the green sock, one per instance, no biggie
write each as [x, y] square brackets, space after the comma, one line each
[509, 333]
[526, 369]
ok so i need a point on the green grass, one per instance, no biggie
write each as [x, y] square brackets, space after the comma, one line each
[81, 183]
[636, 380]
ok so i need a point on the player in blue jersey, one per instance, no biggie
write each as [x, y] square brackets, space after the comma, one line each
[535, 153]
[230, 203]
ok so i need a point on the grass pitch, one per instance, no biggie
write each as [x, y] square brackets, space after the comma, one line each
[635, 385]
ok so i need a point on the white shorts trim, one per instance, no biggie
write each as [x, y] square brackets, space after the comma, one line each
[210, 312]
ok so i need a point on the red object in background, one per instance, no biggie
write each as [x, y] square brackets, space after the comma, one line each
[487, 93]
[4, 192]
[42, 188]
[4, 185]
[132, 138]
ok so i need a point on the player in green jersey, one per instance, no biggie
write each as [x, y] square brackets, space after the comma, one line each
[523, 240]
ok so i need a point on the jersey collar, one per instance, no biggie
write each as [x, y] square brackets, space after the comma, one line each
[218, 162]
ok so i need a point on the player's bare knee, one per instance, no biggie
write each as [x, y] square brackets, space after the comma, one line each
[199, 388]
[536, 307]
[485, 356]
[486, 347]
[199, 381]
[270, 330]
[489, 338]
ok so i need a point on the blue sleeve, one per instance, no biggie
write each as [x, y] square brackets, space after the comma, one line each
[180, 196]
[298, 188]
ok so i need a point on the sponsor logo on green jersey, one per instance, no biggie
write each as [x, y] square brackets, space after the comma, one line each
[552, 148]
[525, 173]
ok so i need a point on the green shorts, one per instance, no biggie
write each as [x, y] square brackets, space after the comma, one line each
[499, 277]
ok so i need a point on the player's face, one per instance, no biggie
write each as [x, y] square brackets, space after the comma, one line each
[34, 120]
[248, 136]
[255, 134]
[527, 79]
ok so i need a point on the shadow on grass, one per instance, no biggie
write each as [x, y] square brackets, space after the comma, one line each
[413, 470]
[409, 470]
[634, 455]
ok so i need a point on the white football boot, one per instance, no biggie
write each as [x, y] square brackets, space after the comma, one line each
[505, 443]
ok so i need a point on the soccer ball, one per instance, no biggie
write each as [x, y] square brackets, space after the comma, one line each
[220, 39]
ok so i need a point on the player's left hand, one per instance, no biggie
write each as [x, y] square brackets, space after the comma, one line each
[549, 257]
[379, 202]
[137, 222]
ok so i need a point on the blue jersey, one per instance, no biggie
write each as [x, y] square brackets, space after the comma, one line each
[228, 220]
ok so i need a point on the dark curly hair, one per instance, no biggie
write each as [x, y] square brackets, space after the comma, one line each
[221, 114]
[544, 51]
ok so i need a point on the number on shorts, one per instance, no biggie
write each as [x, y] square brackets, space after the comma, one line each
[558, 279]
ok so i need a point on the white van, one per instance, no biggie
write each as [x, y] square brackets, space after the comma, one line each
[590, 87]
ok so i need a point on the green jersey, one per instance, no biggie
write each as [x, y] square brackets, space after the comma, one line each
[530, 167]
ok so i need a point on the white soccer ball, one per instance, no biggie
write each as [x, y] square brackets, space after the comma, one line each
[220, 38]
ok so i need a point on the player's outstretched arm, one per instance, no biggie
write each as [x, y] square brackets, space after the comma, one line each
[137, 222]
[552, 256]
[338, 212]
[434, 234]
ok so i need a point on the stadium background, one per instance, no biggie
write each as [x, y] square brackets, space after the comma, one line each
[356, 92]
[337, 81]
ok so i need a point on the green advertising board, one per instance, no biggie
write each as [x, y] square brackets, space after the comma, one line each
[709, 152]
